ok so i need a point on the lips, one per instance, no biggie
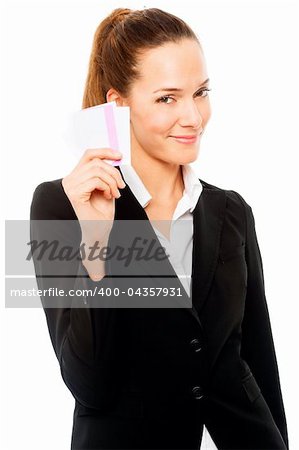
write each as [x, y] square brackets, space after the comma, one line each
[187, 138]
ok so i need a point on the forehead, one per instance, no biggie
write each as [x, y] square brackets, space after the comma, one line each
[173, 63]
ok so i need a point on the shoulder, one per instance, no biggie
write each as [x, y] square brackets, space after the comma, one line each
[49, 201]
[233, 198]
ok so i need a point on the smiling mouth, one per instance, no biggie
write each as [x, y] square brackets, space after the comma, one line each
[187, 136]
[187, 139]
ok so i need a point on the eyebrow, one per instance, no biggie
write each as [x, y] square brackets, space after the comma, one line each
[177, 89]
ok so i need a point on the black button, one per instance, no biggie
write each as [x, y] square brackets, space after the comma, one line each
[197, 392]
[196, 345]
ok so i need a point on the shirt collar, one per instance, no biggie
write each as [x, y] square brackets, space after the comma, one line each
[192, 191]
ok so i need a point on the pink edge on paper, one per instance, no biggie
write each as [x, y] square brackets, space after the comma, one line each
[111, 127]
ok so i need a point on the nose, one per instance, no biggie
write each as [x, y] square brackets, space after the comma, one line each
[190, 115]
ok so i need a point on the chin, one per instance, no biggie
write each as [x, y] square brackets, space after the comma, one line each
[187, 159]
[181, 161]
[181, 156]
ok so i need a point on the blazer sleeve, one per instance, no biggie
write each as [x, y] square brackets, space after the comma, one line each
[257, 340]
[76, 343]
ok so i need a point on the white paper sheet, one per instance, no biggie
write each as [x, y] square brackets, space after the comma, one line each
[88, 128]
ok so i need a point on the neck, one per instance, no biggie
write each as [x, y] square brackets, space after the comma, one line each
[163, 180]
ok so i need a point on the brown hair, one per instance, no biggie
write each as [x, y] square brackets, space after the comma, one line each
[118, 41]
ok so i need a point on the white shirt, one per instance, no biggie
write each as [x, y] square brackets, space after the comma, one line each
[180, 246]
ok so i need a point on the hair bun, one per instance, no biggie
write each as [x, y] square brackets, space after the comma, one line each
[118, 15]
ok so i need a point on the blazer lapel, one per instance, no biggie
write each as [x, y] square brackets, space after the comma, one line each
[127, 208]
[208, 217]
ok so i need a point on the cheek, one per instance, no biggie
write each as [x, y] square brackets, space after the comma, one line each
[160, 122]
[154, 120]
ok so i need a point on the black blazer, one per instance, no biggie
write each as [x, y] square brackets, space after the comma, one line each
[219, 352]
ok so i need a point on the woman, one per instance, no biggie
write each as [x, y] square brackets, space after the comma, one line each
[147, 377]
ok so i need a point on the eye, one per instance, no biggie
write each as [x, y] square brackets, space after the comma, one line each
[198, 93]
[165, 99]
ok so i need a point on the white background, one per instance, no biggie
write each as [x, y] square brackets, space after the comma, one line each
[250, 145]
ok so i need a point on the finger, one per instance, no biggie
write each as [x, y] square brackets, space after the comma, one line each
[98, 171]
[115, 173]
[93, 166]
[90, 185]
[102, 153]
[107, 192]
[108, 179]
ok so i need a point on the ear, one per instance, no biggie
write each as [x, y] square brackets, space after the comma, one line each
[113, 96]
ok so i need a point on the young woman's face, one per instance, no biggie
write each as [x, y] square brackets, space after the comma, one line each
[169, 103]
